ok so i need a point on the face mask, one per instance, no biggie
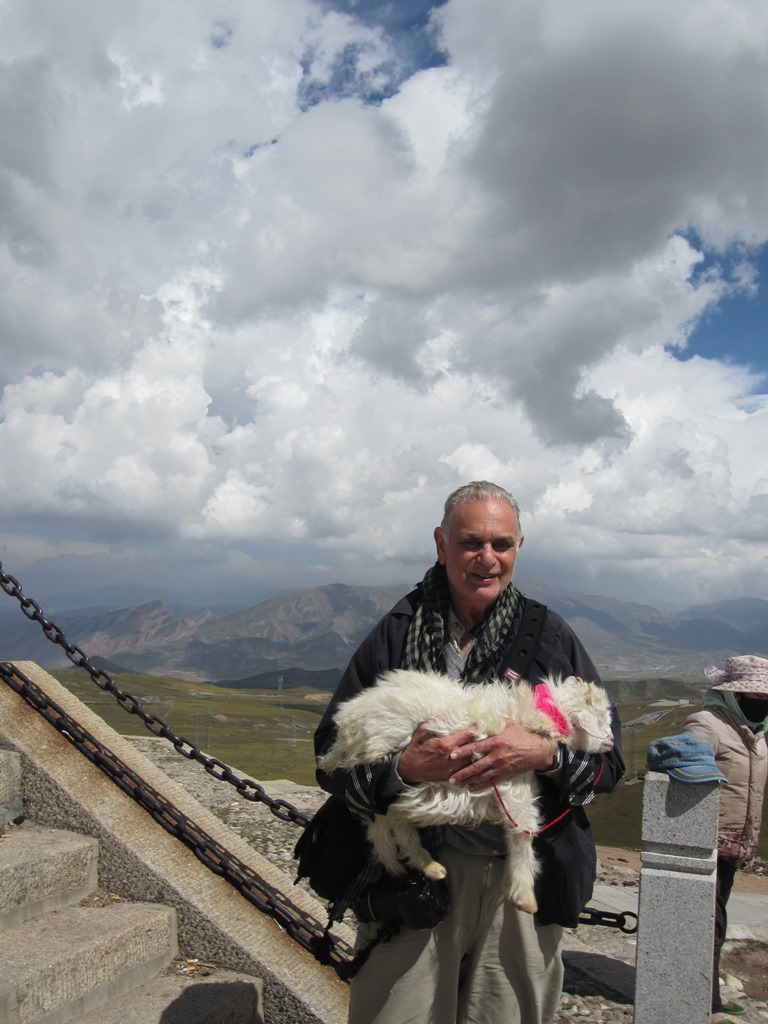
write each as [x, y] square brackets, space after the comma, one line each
[754, 709]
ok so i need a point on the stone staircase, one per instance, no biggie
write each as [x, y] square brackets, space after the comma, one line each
[70, 953]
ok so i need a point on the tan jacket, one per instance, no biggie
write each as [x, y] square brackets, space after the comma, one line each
[742, 756]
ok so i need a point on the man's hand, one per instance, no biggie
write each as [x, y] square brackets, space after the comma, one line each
[431, 758]
[513, 751]
[466, 761]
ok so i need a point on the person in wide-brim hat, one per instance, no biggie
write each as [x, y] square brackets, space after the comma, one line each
[745, 674]
[733, 722]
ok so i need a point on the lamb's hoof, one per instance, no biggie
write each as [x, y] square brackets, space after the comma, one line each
[527, 906]
[435, 871]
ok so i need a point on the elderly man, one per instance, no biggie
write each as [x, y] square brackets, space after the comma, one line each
[485, 962]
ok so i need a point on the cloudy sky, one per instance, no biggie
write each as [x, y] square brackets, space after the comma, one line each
[277, 275]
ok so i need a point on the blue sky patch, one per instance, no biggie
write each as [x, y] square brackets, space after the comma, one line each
[412, 46]
[737, 329]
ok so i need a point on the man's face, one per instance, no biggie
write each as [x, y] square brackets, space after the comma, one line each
[479, 554]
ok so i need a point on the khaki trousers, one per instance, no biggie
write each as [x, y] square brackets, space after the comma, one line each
[485, 963]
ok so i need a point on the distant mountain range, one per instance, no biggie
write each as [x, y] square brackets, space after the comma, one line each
[307, 637]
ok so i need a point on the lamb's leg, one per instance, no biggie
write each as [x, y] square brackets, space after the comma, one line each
[521, 870]
[384, 845]
[406, 836]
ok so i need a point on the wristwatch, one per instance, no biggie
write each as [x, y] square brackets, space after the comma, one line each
[557, 760]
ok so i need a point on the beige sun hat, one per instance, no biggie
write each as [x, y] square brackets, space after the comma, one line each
[745, 673]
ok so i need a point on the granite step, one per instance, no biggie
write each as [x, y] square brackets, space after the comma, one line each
[223, 998]
[43, 870]
[56, 968]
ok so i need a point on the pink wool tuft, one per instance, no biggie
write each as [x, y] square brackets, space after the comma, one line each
[545, 702]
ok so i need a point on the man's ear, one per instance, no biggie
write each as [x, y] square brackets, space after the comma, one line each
[520, 542]
[440, 545]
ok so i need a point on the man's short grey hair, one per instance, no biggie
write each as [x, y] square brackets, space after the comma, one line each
[478, 490]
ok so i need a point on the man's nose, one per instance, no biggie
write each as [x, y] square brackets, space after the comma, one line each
[486, 554]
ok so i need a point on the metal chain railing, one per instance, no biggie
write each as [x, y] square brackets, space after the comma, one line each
[247, 788]
[301, 926]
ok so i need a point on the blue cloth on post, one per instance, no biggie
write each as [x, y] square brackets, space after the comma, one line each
[685, 758]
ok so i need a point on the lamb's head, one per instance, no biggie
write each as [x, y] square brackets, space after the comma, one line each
[588, 707]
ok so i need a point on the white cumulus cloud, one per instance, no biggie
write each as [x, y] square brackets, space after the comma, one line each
[268, 291]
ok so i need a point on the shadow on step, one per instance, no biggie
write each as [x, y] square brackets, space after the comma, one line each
[593, 974]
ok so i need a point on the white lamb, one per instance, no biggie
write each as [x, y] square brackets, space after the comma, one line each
[381, 720]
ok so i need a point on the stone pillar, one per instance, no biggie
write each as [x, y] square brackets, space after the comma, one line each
[676, 919]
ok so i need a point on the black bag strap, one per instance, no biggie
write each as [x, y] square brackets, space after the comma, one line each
[519, 658]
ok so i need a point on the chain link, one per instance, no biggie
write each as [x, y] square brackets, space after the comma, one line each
[625, 921]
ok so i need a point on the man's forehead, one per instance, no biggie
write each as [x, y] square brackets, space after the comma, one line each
[484, 517]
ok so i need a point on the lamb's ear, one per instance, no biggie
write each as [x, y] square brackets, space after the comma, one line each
[589, 732]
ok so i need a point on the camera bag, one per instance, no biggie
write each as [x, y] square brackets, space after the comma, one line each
[332, 851]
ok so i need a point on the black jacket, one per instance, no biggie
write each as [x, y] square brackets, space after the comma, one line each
[565, 849]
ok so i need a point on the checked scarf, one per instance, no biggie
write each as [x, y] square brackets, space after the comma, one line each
[425, 642]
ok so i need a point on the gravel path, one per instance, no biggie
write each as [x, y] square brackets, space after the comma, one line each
[599, 961]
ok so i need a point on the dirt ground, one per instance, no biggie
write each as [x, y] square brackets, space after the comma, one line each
[747, 961]
[745, 881]
[610, 857]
